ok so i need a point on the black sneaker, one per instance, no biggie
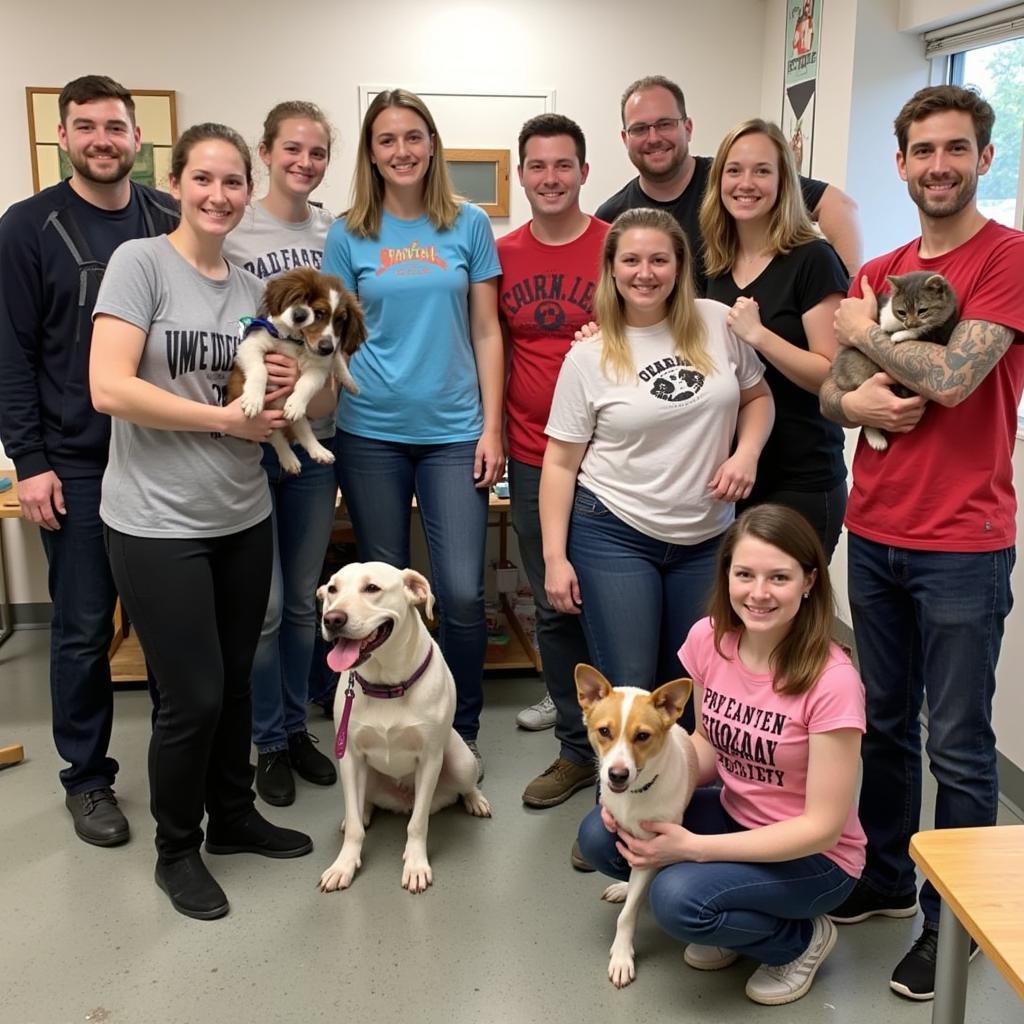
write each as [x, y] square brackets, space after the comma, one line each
[308, 762]
[254, 834]
[274, 781]
[914, 977]
[192, 890]
[866, 901]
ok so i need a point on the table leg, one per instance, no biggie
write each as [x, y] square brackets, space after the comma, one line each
[951, 969]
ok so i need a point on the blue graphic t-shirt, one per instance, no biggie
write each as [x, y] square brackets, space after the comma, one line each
[416, 371]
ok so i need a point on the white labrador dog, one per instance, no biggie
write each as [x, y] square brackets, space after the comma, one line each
[402, 753]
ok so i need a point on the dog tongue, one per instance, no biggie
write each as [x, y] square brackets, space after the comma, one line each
[343, 655]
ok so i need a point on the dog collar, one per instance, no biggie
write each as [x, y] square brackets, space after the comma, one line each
[248, 324]
[643, 789]
[395, 689]
[370, 690]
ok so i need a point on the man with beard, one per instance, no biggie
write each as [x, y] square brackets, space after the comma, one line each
[656, 133]
[932, 521]
[54, 248]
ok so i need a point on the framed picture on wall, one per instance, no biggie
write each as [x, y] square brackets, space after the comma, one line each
[481, 175]
[155, 114]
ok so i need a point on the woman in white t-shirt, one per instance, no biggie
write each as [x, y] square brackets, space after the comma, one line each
[186, 512]
[277, 233]
[641, 473]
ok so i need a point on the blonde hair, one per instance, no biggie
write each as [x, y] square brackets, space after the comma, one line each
[789, 224]
[685, 323]
[439, 199]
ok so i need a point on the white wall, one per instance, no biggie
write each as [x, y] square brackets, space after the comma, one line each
[231, 61]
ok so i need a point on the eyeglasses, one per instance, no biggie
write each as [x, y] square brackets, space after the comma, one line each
[662, 126]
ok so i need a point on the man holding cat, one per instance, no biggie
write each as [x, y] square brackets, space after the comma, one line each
[932, 520]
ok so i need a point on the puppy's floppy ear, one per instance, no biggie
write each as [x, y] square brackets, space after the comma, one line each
[417, 589]
[280, 293]
[671, 698]
[591, 686]
[354, 332]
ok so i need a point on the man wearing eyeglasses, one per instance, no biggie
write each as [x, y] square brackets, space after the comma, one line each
[656, 133]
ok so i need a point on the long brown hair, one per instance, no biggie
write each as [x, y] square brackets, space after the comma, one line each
[803, 653]
[789, 224]
[363, 217]
[685, 323]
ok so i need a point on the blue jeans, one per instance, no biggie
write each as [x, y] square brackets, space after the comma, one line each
[763, 911]
[560, 637]
[83, 596]
[927, 623]
[640, 595]
[303, 513]
[378, 480]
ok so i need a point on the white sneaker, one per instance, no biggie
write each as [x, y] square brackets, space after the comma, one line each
[772, 985]
[709, 958]
[537, 716]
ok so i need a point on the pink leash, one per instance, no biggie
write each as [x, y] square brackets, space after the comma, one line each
[342, 740]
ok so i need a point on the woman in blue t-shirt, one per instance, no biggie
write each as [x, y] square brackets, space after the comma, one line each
[783, 281]
[427, 420]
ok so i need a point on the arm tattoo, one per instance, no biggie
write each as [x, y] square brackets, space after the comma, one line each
[830, 399]
[944, 373]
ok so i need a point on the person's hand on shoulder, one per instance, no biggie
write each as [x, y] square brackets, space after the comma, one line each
[588, 332]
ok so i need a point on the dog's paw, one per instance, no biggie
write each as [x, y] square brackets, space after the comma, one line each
[416, 875]
[340, 874]
[476, 803]
[350, 386]
[621, 969]
[616, 892]
[320, 454]
[876, 439]
[251, 403]
[294, 409]
[290, 462]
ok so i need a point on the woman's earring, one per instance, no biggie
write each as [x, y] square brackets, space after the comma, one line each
[807, 594]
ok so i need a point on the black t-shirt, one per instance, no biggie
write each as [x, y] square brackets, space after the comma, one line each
[805, 450]
[686, 208]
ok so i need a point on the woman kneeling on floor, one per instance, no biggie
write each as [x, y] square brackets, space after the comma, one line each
[756, 866]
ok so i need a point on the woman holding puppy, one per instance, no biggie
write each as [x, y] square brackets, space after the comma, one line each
[755, 866]
[640, 476]
[428, 420]
[187, 512]
[277, 233]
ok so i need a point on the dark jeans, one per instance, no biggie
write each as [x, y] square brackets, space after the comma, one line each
[197, 604]
[824, 510]
[83, 596]
[640, 595]
[927, 623]
[559, 637]
[763, 911]
[378, 480]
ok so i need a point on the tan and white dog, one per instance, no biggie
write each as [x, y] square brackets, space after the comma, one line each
[317, 320]
[647, 771]
[402, 753]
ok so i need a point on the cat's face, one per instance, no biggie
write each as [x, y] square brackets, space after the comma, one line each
[942, 163]
[921, 300]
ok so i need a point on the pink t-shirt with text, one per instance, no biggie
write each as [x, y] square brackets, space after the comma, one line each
[761, 737]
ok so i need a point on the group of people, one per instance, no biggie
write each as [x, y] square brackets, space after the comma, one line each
[686, 457]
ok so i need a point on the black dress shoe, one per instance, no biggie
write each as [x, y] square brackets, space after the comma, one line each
[254, 834]
[274, 781]
[309, 762]
[98, 819]
[192, 890]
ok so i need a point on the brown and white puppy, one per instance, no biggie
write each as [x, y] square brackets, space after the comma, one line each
[402, 753]
[314, 318]
[648, 772]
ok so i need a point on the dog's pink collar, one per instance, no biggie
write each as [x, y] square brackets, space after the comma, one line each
[373, 690]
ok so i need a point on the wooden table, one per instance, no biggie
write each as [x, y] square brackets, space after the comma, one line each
[979, 873]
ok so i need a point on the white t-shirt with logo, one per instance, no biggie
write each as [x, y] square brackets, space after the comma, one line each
[657, 437]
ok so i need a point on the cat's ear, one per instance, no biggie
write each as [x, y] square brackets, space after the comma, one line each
[935, 283]
[894, 282]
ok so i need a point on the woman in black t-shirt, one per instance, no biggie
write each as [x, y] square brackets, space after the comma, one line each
[783, 283]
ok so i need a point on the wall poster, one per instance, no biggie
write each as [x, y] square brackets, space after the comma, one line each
[803, 44]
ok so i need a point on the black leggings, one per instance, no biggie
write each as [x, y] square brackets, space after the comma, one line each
[197, 604]
[824, 510]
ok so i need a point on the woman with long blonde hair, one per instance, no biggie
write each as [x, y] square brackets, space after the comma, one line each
[428, 419]
[783, 283]
[640, 476]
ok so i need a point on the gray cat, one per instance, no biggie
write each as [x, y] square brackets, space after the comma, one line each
[921, 307]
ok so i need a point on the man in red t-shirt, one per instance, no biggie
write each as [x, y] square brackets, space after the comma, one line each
[932, 520]
[549, 272]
